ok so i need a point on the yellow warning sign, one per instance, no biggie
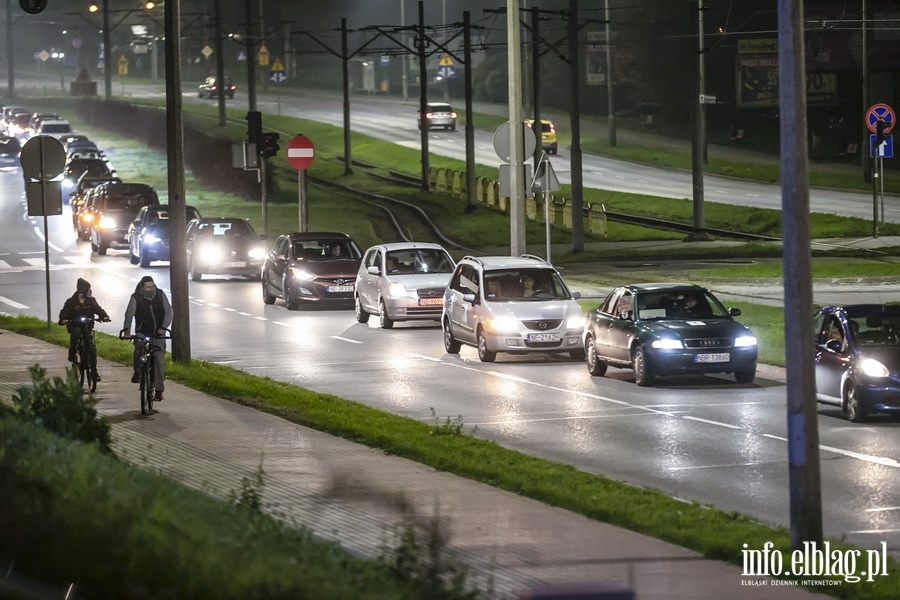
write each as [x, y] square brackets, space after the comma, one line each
[446, 61]
[277, 66]
[263, 55]
[123, 65]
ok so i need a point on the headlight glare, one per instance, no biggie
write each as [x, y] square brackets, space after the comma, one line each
[502, 325]
[397, 289]
[575, 322]
[108, 223]
[667, 344]
[742, 341]
[302, 274]
[256, 253]
[152, 239]
[873, 368]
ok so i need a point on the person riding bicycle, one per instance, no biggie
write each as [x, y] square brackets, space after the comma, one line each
[80, 304]
[152, 314]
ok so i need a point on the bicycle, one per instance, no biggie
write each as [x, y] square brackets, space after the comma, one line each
[147, 368]
[86, 352]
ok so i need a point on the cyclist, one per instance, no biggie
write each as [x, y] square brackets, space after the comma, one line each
[81, 304]
[152, 314]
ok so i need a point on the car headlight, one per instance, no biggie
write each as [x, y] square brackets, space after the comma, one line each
[87, 218]
[575, 322]
[397, 289]
[502, 325]
[68, 183]
[152, 239]
[108, 223]
[742, 341]
[302, 274]
[667, 344]
[873, 368]
[256, 253]
[209, 254]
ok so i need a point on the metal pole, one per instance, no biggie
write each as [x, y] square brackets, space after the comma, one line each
[866, 166]
[575, 153]
[181, 324]
[697, 142]
[443, 40]
[874, 162]
[263, 196]
[881, 191]
[302, 200]
[545, 188]
[251, 58]
[701, 58]
[10, 63]
[423, 96]
[516, 135]
[611, 113]
[404, 60]
[470, 117]
[802, 417]
[220, 60]
[345, 62]
[107, 53]
[538, 125]
[154, 52]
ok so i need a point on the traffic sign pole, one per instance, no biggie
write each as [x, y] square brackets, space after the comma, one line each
[300, 154]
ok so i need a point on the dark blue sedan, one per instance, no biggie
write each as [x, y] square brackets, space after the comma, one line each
[858, 358]
[668, 329]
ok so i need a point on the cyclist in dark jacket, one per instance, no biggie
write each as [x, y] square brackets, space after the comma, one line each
[81, 304]
[152, 314]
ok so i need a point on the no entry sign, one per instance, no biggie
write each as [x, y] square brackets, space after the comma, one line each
[300, 152]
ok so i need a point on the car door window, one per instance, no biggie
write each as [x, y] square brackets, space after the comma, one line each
[624, 304]
[610, 303]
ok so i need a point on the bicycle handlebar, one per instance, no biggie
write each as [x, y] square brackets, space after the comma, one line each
[125, 334]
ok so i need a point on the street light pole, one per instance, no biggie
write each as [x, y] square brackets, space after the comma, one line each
[107, 53]
[9, 51]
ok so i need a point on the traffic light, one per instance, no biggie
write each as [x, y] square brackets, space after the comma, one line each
[254, 127]
[270, 145]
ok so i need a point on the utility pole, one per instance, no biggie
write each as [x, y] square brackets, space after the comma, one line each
[9, 51]
[575, 112]
[866, 165]
[802, 417]
[181, 324]
[220, 60]
[345, 78]
[404, 61]
[251, 58]
[611, 114]
[107, 53]
[516, 139]
[698, 141]
[538, 126]
[470, 120]
[423, 95]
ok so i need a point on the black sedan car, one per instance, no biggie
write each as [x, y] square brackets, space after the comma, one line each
[9, 152]
[223, 246]
[148, 234]
[211, 89]
[858, 358]
[309, 267]
[668, 329]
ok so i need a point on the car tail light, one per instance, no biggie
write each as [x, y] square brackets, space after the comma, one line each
[429, 115]
[529, 126]
[232, 87]
[453, 114]
[552, 128]
[212, 87]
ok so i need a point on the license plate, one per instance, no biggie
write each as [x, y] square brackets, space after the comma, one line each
[235, 264]
[543, 337]
[339, 289]
[431, 301]
[712, 358]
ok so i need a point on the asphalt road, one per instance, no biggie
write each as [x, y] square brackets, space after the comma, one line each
[703, 439]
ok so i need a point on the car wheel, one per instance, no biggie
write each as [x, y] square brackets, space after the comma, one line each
[450, 343]
[132, 257]
[483, 353]
[855, 410]
[101, 249]
[642, 375]
[745, 376]
[383, 319]
[453, 128]
[94, 247]
[145, 260]
[361, 315]
[289, 299]
[595, 366]
[84, 236]
[268, 296]
[195, 275]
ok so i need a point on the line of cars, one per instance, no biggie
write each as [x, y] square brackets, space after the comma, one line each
[18, 125]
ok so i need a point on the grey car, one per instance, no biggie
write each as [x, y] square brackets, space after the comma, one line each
[439, 115]
[403, 281]
[511, 304]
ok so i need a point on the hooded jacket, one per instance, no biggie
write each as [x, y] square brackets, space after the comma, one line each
[73, 309]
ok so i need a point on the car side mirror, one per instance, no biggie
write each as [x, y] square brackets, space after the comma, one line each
[576, 295]
[469, 298]
[373, 270]
[834, 345]
[734, 312]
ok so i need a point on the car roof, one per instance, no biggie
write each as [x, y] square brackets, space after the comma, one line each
[665, 287]
[205, 220]
[408, 246]
[447, 104]
[509, 262]
[317, 235]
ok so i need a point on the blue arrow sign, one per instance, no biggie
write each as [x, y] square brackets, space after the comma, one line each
[277, 77]
[446, 72]
[885, 150]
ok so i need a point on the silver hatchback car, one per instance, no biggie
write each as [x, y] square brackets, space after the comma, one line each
[439, 114]
[511, 304]
[402, 282]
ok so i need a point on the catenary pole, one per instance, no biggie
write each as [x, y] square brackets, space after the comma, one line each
[516, 138]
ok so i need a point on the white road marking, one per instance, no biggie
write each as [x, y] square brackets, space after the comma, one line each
[40, 234]
[229, 309]
[343, 339]
[243, 314]
[753, 195]
[885, 509]
[260, 318]
[12, 303]
[282, 324]
[713, 422]
[5, 265]
[878, 460]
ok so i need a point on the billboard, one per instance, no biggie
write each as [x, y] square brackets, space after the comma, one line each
[757, 83]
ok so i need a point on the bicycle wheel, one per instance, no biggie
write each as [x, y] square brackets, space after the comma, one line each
[91, 361]
[146, 391]
[151, 388]
[83, 368]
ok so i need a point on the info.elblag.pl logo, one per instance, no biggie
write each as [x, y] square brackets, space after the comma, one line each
[811, 563]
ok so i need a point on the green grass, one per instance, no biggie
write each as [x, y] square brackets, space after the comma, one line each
[821, 269]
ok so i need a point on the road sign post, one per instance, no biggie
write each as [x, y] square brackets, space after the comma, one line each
[300, 154]
[880, 119]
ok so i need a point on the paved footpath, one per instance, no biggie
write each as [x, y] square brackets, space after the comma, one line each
[356, 495]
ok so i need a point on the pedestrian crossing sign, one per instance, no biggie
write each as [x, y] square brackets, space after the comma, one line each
[276, 65]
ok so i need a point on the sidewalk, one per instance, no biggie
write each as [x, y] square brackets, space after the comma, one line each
[351, 493]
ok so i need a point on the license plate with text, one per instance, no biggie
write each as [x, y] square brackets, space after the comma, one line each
[339, 289]
[712, 358]
[543, 337]
[431, 301]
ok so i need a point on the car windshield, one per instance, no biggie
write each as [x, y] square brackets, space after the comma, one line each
[527, 285]
[56, 128]
[875, 326]
[440, 108]
[674, 304]
[227, 230]
[115, 201]
[418, 260]
[326, 249]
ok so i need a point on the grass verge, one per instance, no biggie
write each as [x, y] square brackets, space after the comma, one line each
[714, 533]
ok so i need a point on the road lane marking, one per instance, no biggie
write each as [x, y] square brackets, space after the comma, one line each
[875, 531]
[51, 245]
[878, 460]
[229, 309]
[885, 509]
[282, 324]
[343, 339]
[243, 314]
[260, 318]
[729, 426]
[12, 303]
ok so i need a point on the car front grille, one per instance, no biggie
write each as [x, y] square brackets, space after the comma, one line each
[424, 310]
[708, 343]
[543, 324]
[430, 292]
[543, 344]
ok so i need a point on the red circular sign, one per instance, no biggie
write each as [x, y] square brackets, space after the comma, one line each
[300, 152]
[880, 112]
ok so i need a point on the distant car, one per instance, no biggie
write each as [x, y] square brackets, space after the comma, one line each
[858, 358]
[148, 234]
[55, 129]
[82, 217]
[668, 329]
[114, 206]
[515, 304]
[439, 114]
[402, 281]
[548, 135]
[9, 153]
[76, 167]
[210, 88]
[36, 119]
[310, 267]
[223, 246]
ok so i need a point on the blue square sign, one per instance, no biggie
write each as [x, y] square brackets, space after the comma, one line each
[885, 150]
